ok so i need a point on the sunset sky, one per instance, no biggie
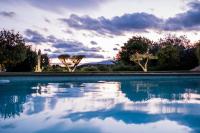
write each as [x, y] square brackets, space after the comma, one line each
[97, 28]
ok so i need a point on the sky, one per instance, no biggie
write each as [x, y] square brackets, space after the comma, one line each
[97, 28]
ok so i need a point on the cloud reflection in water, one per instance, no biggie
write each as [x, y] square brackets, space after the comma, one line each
[101, 106]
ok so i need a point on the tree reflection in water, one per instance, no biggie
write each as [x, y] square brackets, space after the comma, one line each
[12, 98]
[131, 101]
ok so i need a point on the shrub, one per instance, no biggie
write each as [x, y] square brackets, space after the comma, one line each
[89, 69]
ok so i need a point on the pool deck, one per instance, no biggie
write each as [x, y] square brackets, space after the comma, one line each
[163, 73]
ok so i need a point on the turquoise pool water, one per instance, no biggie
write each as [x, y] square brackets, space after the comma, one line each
[103, 104]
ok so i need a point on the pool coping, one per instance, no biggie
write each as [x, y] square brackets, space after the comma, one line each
[164, 73]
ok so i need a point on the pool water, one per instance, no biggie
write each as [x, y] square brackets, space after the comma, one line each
[100, 104]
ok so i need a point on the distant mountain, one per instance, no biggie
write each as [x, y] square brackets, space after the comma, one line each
[105, 62]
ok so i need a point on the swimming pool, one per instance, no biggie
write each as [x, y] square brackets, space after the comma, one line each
[100, 104]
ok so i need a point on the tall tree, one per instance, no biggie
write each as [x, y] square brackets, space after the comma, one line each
[169, 58]
[198, 51]
[175, 53]
[71, 62]
[135, 44]
[44, 61]
[28, 65]
[12, 48]
[181, 41]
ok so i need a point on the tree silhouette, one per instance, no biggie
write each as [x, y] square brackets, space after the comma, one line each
[71, 62]
[198, 51]
[12, 49]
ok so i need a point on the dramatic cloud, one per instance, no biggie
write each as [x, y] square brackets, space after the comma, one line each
[116, 25]
[34, 37]
[92, 55]
[37, 38]
[87, 55]
[75, 46]
[62, 46]
[189, 20]
[7, 14]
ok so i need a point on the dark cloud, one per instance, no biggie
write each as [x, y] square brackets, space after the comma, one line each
[34, 37]
[87, 55]
[68, 31]
[37, 38]
[116, 25]
[93, 43]
[75, 46]
[62, 46]
[189, 20]
[54, 55]
[47, 50]
[93, 55]
[115, 49]
[47, 20]
[7, 14]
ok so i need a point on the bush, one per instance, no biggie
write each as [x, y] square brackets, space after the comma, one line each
[104, 68]
[89, 69]
[55, 68]
[121, 67]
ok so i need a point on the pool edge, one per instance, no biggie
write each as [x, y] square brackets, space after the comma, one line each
[2, 74]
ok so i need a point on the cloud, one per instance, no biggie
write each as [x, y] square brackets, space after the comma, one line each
[62, 46]
[93, 42]
[34, 37]
[75, 46]
[47, 20]
[93, 55]
[139, 22]
[68, 32]
[54, 5]
[117, 25]
[7, 14]
[115, 49]
[37, 38]
[189, 20]
[87, 55]
[47, 50]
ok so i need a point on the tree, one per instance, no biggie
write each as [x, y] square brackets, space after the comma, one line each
[169, 57]
[174, 53]
[181, 41]
[71, 62]
[135, 44]
[198, 51]
[12, 49]
[142, 59]
[44, 61]
[28, 65]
